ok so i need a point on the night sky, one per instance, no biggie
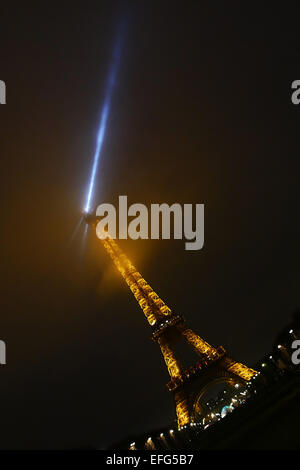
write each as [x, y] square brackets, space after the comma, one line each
[201, 113]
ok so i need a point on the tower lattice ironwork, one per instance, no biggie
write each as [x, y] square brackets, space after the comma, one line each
[168, 330]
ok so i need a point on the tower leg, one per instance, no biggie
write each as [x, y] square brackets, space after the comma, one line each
[182, 409]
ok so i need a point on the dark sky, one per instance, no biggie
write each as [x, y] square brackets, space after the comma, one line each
[201, 113]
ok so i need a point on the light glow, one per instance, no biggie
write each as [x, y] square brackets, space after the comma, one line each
[103, 124]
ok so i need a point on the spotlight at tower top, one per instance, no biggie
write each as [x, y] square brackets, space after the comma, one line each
[103, 121]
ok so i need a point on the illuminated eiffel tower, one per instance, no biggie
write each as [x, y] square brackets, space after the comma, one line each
[213, 368]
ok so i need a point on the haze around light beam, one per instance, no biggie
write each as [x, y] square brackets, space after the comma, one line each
[103, 122]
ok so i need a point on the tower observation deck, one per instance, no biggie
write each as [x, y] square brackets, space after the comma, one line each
[192, 383]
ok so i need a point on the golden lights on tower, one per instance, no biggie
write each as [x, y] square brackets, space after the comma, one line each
[168, 329]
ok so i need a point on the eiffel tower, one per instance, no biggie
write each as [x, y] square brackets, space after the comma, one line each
[190, 384]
